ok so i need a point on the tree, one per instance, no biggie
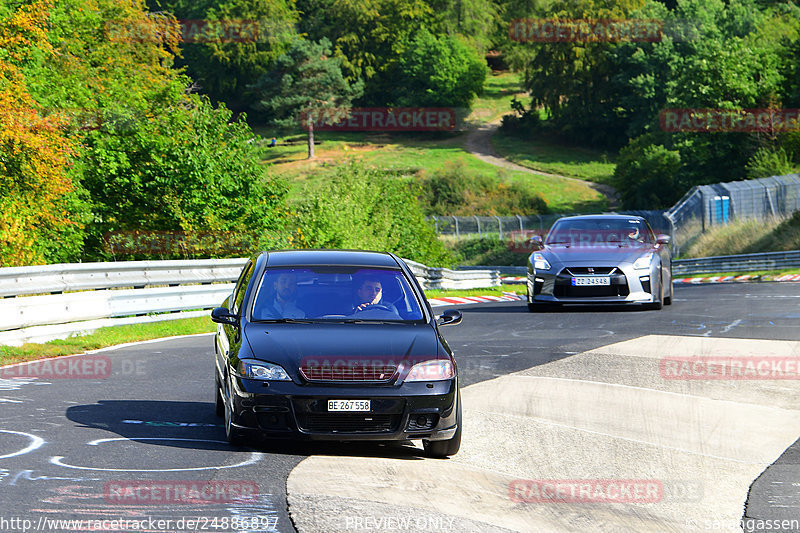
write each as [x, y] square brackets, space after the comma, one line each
[307, 84]
[227, 44]
[362, 208]
[363, 33]
[40, 210]
[435, 71]
[647, 174]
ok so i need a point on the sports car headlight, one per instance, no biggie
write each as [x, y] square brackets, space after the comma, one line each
[261, 370]
[539, 262]
[643, 262]
[435, 370]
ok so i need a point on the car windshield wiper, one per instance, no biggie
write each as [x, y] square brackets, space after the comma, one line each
[285, 321]
[371, 321]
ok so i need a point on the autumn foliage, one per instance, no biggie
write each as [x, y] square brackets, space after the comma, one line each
[34, 151]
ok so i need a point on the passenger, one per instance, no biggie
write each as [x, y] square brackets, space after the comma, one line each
[285, 287]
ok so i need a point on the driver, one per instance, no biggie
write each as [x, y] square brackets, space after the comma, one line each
[635, 235]
[369, 291]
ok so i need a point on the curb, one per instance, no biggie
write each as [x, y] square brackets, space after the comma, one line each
[466, 300]
[711, 279]
[738, 279]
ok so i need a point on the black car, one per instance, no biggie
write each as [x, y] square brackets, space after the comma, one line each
[335, 345]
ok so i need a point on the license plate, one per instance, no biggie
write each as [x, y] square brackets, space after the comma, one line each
[348, 405]
[591, 281]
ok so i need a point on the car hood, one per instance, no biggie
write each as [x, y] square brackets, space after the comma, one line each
[289, 344]
[599, 255]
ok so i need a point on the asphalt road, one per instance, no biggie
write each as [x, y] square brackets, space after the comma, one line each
[79, 447]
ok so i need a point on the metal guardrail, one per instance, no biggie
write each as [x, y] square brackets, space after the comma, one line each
[737, 263]
[701, 265]
[444, 278]
[47, 302]
[15, 281]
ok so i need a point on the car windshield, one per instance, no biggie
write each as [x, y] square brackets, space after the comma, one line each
[335, 293]
[600, 232]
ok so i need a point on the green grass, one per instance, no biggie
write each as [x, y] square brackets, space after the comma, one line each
[416, 154]
[105, 337]
[498, 91]
[554, 158]
[489, 291]
[745, 237]
[419, 157]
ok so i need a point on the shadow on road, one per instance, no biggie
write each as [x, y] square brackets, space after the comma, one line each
[165, 423]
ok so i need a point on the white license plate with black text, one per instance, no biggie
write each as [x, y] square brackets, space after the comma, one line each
[348, 406]
[591, 281]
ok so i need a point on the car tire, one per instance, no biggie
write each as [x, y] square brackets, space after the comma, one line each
[441, 449]
[657, 306]
[219, 403]
[668, 299]
[233, 435]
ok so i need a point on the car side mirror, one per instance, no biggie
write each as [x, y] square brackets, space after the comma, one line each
[449, 318]
[663, 239]
[221, 315]
[535, 240]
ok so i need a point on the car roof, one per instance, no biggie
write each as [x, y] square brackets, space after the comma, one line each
[602, 217]
[363, 258]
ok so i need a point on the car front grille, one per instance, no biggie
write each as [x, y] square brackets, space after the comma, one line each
[348, 372]
[348, 423]
[591, 271]
[564, 289]
[568, 291]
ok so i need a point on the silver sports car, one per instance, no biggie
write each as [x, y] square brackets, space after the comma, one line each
[600, 259]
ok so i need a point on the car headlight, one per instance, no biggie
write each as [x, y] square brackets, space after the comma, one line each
[539, 262]
[644, 261]
[435, 370]
[262, 370]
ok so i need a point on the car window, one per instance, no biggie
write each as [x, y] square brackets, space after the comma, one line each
[599, 231]
[241, 287]
[335, 293]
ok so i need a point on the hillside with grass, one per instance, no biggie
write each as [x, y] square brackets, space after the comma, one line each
[747, 237]
[427, 156]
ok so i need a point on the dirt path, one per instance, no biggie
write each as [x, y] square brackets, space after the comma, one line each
[478, 143]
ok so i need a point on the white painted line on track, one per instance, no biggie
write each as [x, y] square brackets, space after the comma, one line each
[36, 442]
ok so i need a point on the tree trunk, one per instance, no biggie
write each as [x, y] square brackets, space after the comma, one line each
[311, 139]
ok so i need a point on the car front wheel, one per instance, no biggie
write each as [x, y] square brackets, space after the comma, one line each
[445, 448]
[232, 434]
[219, 404]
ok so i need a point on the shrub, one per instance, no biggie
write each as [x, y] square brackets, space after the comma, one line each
[456, 190]
[361, 208]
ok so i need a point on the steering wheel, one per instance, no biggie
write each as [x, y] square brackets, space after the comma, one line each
[375, 306]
